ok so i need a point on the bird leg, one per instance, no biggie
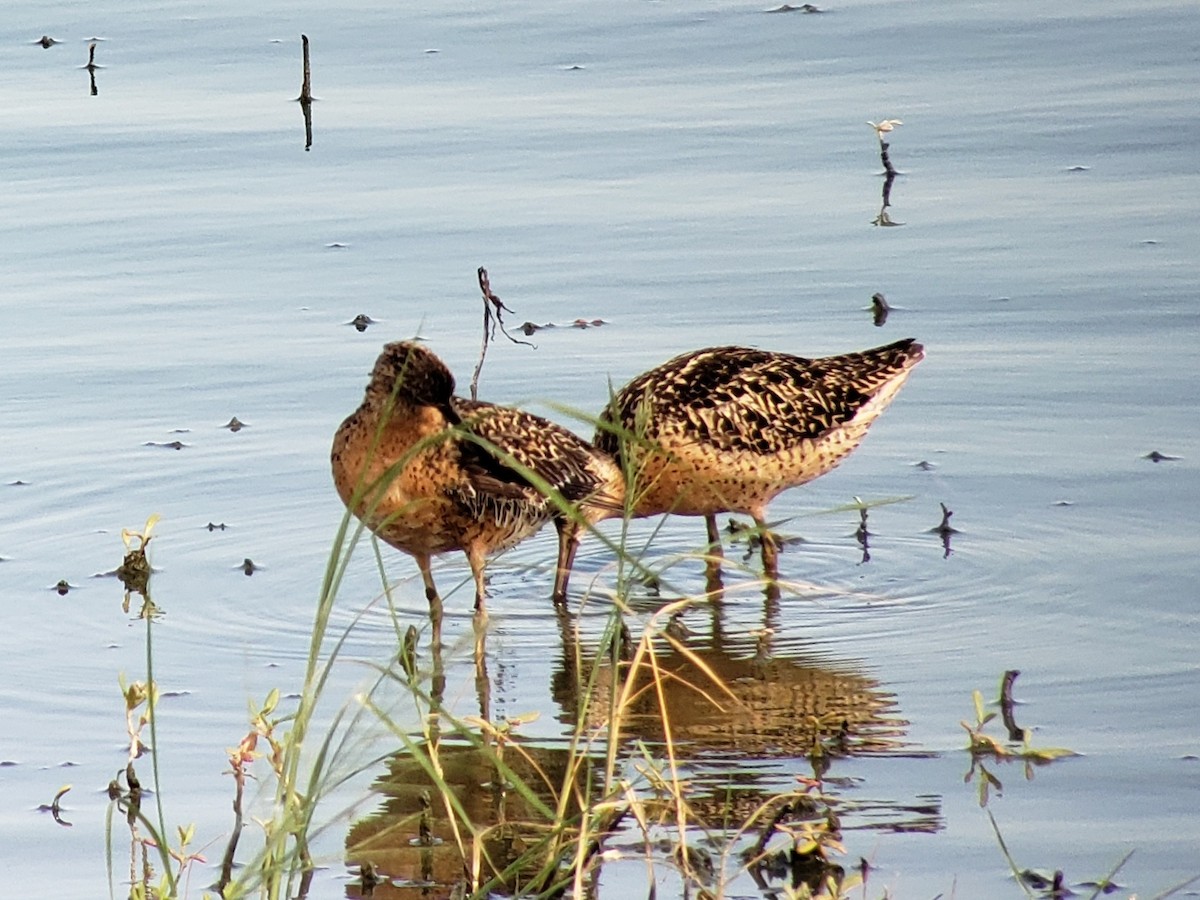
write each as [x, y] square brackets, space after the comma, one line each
[568, 543]
[714, 534]
[431, 592]
[477, 559]
[712, 565]
[770, 547]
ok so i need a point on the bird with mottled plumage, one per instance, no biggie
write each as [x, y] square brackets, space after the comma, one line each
[726, 429]
[429, 472]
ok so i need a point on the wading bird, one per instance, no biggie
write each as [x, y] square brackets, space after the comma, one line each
[726, 429]
[429, 472]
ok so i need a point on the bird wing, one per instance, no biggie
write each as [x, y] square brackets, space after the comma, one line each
[741, 399]
[557, 455]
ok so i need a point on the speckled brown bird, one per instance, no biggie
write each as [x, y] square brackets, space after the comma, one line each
[417, 465]
[726, 429]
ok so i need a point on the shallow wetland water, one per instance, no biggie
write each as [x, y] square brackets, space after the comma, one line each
[173, 256]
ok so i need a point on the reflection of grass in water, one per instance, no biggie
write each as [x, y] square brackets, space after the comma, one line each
[523, 817]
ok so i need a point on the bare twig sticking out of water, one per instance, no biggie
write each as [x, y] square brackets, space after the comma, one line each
[889, 171]
[945, 528]
[1015, 732]
[306, 98]
[91, 67]
[882, 128]
[306, 85]
[56, 809]
[863, 536]
[493, 315]
[887, 160]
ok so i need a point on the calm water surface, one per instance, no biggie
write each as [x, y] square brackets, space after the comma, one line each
[692, 174]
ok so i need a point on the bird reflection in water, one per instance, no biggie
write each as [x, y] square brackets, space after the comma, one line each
[751, 719]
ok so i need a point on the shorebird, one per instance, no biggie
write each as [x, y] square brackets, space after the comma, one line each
[429, 472]
[726, 429]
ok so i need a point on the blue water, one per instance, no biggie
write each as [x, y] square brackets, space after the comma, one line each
[172, 256]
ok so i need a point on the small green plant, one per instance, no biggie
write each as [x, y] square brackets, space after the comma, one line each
[984, 747]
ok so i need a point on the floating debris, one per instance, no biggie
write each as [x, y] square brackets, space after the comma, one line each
[221, 527]
[18, 483]
[1149, 242]
[168, 445]
[1063, 503]
[573, 68]
[235, 424]
[1155, 456]
[46, 41]
[884, 127]
[135, 569]
[879, 308]
[433, 50]
[787, 8]
[1078, 168]
[248, 566]
[361, 321]
[529, 328]
[336, 246]
[62, 587]
[925, 465]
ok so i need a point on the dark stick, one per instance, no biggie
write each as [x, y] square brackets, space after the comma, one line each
[231, 848]
[488, 327]
[492, 306]
[1015, 732]
[883, 155]
[945, 527]
[306, 86]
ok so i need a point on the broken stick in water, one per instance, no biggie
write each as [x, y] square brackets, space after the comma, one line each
[490, 302]
[306, 86]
